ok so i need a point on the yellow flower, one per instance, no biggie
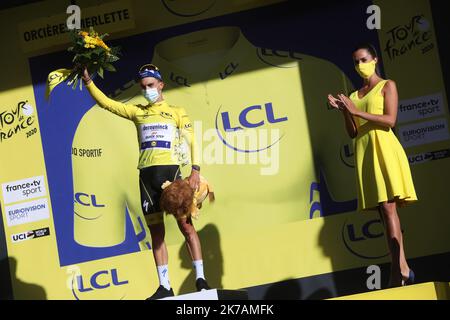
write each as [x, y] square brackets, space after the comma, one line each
[92, 40]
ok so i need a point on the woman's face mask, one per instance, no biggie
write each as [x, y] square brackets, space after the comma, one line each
[366, 70]
[151, 94]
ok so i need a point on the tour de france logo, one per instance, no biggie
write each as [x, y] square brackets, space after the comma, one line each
[17, 120]
[415, 34]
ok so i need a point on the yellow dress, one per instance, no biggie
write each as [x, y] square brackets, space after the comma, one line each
[382, 168]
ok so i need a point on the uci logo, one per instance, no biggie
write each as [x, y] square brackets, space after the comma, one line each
[101, 280]
[364, 238]
[186, 8]
[279, 58]
[230, 121]
[19, 237]
[420, 158]
[22, 236]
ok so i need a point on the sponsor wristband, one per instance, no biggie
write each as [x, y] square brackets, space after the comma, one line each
[196, 167]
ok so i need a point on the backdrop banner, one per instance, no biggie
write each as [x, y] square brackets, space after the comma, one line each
[253, 77]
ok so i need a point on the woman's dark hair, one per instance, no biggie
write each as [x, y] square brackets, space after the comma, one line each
[368, 47]
[373, 52]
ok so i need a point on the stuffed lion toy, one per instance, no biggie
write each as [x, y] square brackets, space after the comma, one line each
[179, 199]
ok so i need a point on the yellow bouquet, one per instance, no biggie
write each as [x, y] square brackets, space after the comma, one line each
[91, 52]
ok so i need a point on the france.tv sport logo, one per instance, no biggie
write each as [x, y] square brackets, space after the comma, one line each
[25, 189]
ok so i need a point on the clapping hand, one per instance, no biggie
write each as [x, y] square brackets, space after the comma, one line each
[335, 103]
[348, 104]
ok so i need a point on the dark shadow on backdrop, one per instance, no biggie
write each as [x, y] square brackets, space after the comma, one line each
[15, 3]
[284, 290]
[308, 288]
[352, 281]
[291, 289]
[24, 290]
[212, 260]
[5, 278]
[441, 27]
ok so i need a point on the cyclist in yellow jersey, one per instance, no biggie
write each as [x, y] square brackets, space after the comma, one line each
[158, 125]
[383, 175]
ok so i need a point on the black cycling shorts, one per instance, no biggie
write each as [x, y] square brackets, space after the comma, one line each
[150, 181]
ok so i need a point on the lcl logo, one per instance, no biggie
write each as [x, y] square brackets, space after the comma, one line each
[87, 200]
[280, 54]
[229, 69]
[279, 58]
[365, 239]
[266, 113]
[100, 280]
[179, 80]
[243, 118]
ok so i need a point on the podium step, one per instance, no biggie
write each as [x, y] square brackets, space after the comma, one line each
[213, 294]
[423, 291]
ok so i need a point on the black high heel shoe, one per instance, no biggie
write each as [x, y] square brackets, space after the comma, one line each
[410, 280]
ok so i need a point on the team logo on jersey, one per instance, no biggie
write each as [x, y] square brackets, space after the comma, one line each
[251, 118]
[188, 8]
[166, 115]
[279, 58]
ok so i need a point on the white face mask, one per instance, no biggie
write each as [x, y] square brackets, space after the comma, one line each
[151, 94]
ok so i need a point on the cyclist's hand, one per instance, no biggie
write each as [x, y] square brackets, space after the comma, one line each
[86, 77]
[194, 179]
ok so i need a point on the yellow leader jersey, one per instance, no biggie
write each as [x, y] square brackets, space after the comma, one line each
[159, 127]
